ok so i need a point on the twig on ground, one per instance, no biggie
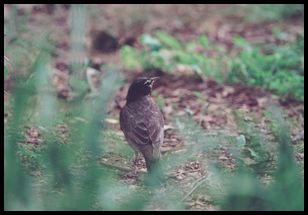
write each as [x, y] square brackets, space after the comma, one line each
[117, 167]
[121, 168]
[197, 184]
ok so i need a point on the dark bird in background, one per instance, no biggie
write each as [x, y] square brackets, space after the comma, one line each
[142, 122]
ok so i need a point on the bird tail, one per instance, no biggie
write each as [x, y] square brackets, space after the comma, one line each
[155, 176]
[152, 164]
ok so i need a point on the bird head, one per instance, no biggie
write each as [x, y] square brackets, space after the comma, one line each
[141, 86]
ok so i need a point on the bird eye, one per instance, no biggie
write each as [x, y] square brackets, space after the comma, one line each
[147, 82]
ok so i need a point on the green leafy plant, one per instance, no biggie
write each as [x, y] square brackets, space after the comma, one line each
[167, 53]
[279, 69]
[168, 40]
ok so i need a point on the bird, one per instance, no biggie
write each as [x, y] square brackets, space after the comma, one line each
[142, 122]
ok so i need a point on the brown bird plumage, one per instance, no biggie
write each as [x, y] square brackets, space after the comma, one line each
[142, 122]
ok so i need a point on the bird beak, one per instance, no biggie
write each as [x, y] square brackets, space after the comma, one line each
[154, 79]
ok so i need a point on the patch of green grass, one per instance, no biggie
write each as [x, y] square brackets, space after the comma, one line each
[30, 156]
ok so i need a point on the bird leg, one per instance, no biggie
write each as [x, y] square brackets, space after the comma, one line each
[133, 172]
[135, 161]
[137, 157]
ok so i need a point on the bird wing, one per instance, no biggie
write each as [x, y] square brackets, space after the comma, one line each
[144, 130]
[134, 128]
